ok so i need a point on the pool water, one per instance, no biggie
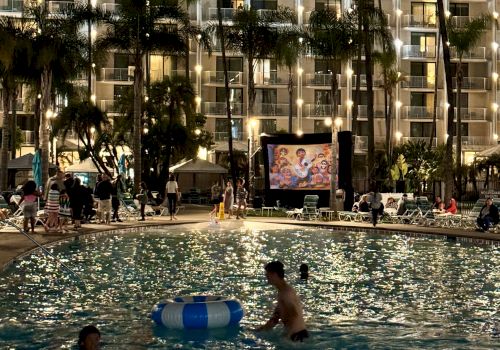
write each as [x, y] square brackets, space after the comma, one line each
[364, 292]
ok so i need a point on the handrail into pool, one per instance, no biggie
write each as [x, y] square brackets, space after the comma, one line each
[7, 222]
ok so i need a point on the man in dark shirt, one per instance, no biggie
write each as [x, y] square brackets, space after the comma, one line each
[104, 191]
[487, 216]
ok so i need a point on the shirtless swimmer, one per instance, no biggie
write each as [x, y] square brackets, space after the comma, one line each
[289, 309]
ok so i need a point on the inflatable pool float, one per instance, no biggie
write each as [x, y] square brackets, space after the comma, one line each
[198, 312]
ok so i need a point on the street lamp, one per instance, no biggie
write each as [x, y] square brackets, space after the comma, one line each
[335, 125]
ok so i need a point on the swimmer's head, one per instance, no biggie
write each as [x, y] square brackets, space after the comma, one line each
[275, 267]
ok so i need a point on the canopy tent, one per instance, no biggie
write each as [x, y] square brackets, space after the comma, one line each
[197, 173]
[25, 162]
[489, 151]
[86, 166]
[21, 169]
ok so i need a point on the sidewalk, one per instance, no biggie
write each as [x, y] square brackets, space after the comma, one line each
[13, 243]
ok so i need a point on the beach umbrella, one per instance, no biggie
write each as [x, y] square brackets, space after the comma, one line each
[36, 167]
[121, 165]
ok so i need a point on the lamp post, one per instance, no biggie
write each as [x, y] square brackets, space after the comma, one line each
[335, 127]
[252, 125]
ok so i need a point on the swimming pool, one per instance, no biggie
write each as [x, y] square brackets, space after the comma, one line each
[365, 291]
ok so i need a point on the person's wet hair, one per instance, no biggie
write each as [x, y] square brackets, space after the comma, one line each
[304, 271]
[276, 266]
[85, 332]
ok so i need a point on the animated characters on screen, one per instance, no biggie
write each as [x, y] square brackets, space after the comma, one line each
[300, 167]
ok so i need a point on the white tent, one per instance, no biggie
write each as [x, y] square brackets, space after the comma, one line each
[87, 166]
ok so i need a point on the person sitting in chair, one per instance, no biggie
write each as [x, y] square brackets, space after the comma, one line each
[487, 216]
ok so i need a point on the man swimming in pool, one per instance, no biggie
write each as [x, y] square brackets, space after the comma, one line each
[289, 309]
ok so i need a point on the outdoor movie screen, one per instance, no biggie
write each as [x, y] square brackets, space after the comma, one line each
[299, 167]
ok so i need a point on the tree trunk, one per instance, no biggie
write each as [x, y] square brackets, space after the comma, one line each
[388, 126]
[251, 87]
[4, 152]
[226, 89]
[458, 129]
[46, 89]
[290, 100]
[449, 92]
[138, 96]
[36, 127]
[357, 94]
[334, 105]
[13, 133]
[435, 102]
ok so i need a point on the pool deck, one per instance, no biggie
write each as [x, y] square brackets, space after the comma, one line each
[13, 243]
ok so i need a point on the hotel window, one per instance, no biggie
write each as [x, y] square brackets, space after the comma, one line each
[335, 5]
[234, 64]
[459, 9]
[464, 100]
[363, 128]
[264, 4]
[221, 129]
[422, 99]
[418, 129]
[463, 126]
[120, 91]
[425, 41]
[423, 14]
[235, 95]
[465, 69]
[320, 127]
[266, 72]
[267, 126]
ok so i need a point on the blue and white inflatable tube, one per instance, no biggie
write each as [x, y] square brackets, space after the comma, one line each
[198, 312]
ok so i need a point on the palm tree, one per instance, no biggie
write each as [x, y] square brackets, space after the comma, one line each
[450, 103]
[287, 52]
[144, 27]
[463, 39]
[88, 122]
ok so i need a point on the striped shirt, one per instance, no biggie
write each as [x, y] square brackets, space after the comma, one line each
[52, 204]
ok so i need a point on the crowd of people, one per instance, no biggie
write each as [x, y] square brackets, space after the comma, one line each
[228, 196]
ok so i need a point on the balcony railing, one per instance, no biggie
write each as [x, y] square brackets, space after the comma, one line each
[227, 14]
[418, 82]
[462, 21]
[361, 142]
[271, 109]
[115, 74]
[219, 108]
[417, 112]
[477, 53]
[28, 137]
[318, 110]
[224, 136]
[108, 106]
[269, 78]
[60, 6]
[475, 140]
[110, 7]
[378, 111]
[419, 139]
[472, 83]
[418, 51]
[471, 113]
[320, 79]
[362, 82]
[217, 77]
[420, 21]
[12, 6]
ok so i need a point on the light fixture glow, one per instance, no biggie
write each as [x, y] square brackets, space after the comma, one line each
[198, 68]
[495, 14]
[300, 71]
[349, 103]
[93, 65]
[494, 106]
[93, 98]
[39, 96]
[145, 130]
[92, 130]
[495, 137]
[398, 43]
[146, 98]
[399, 12]
[446, 136]
[253, 123]
[399, 104]
[349, 72]
[447, 13]
[198, 36]
[446, 105]
[338, 122]
[494, 45]
[197, 132]
[398, 135]
[300, 8]
[299, 133]
[197, 99]
[300, 102]
[328, 121]
[49, 113]
[494, 75]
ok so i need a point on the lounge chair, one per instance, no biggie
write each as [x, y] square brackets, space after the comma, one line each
[310, 209]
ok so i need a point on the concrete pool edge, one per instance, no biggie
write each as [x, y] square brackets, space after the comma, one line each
[461, 236]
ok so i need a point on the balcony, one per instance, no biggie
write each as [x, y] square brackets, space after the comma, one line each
[418, 82]
[12, 6]
[414, 139]
[110, 7]
[417, 112]
[108, 106]
[320, 79]
[116, 74]
[217, 77]
[378, 111]
[224, 136]
[472, 114]
[472, 83]
[60, 6]
[318, 110]
[475, 141]
[420, 21]
[227, 14]
[418, 51]
[28, 137]
[462, 21]
[271, 109]
[476, 54]
[361, 143]
[269, 78]
[362, 83]
[219, 108]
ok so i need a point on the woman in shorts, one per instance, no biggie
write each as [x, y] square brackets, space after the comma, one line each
[29, 200]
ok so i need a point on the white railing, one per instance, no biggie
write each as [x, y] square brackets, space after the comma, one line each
[419, 51]
[417, 112]
[418, 82]
[12, 6]
[60, 6]
[320, 79]
[227, 14]
[318, 110]
[115, 74]
[217, 77]
[269, 78]
[219, 108]
[472, 83]
[419, 139]
[477, 53]
[224, 136]
[475, 140]
[28, 137]
[476, 113]
[110, 7]
[420, 21]
[271, 109]
[362, 81]
[378, 111]
[461, 21]
[361, 142]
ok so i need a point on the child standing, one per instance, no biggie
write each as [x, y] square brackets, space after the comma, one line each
[64, 209]
[52, 207]
[30, 207]
[143, 199]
